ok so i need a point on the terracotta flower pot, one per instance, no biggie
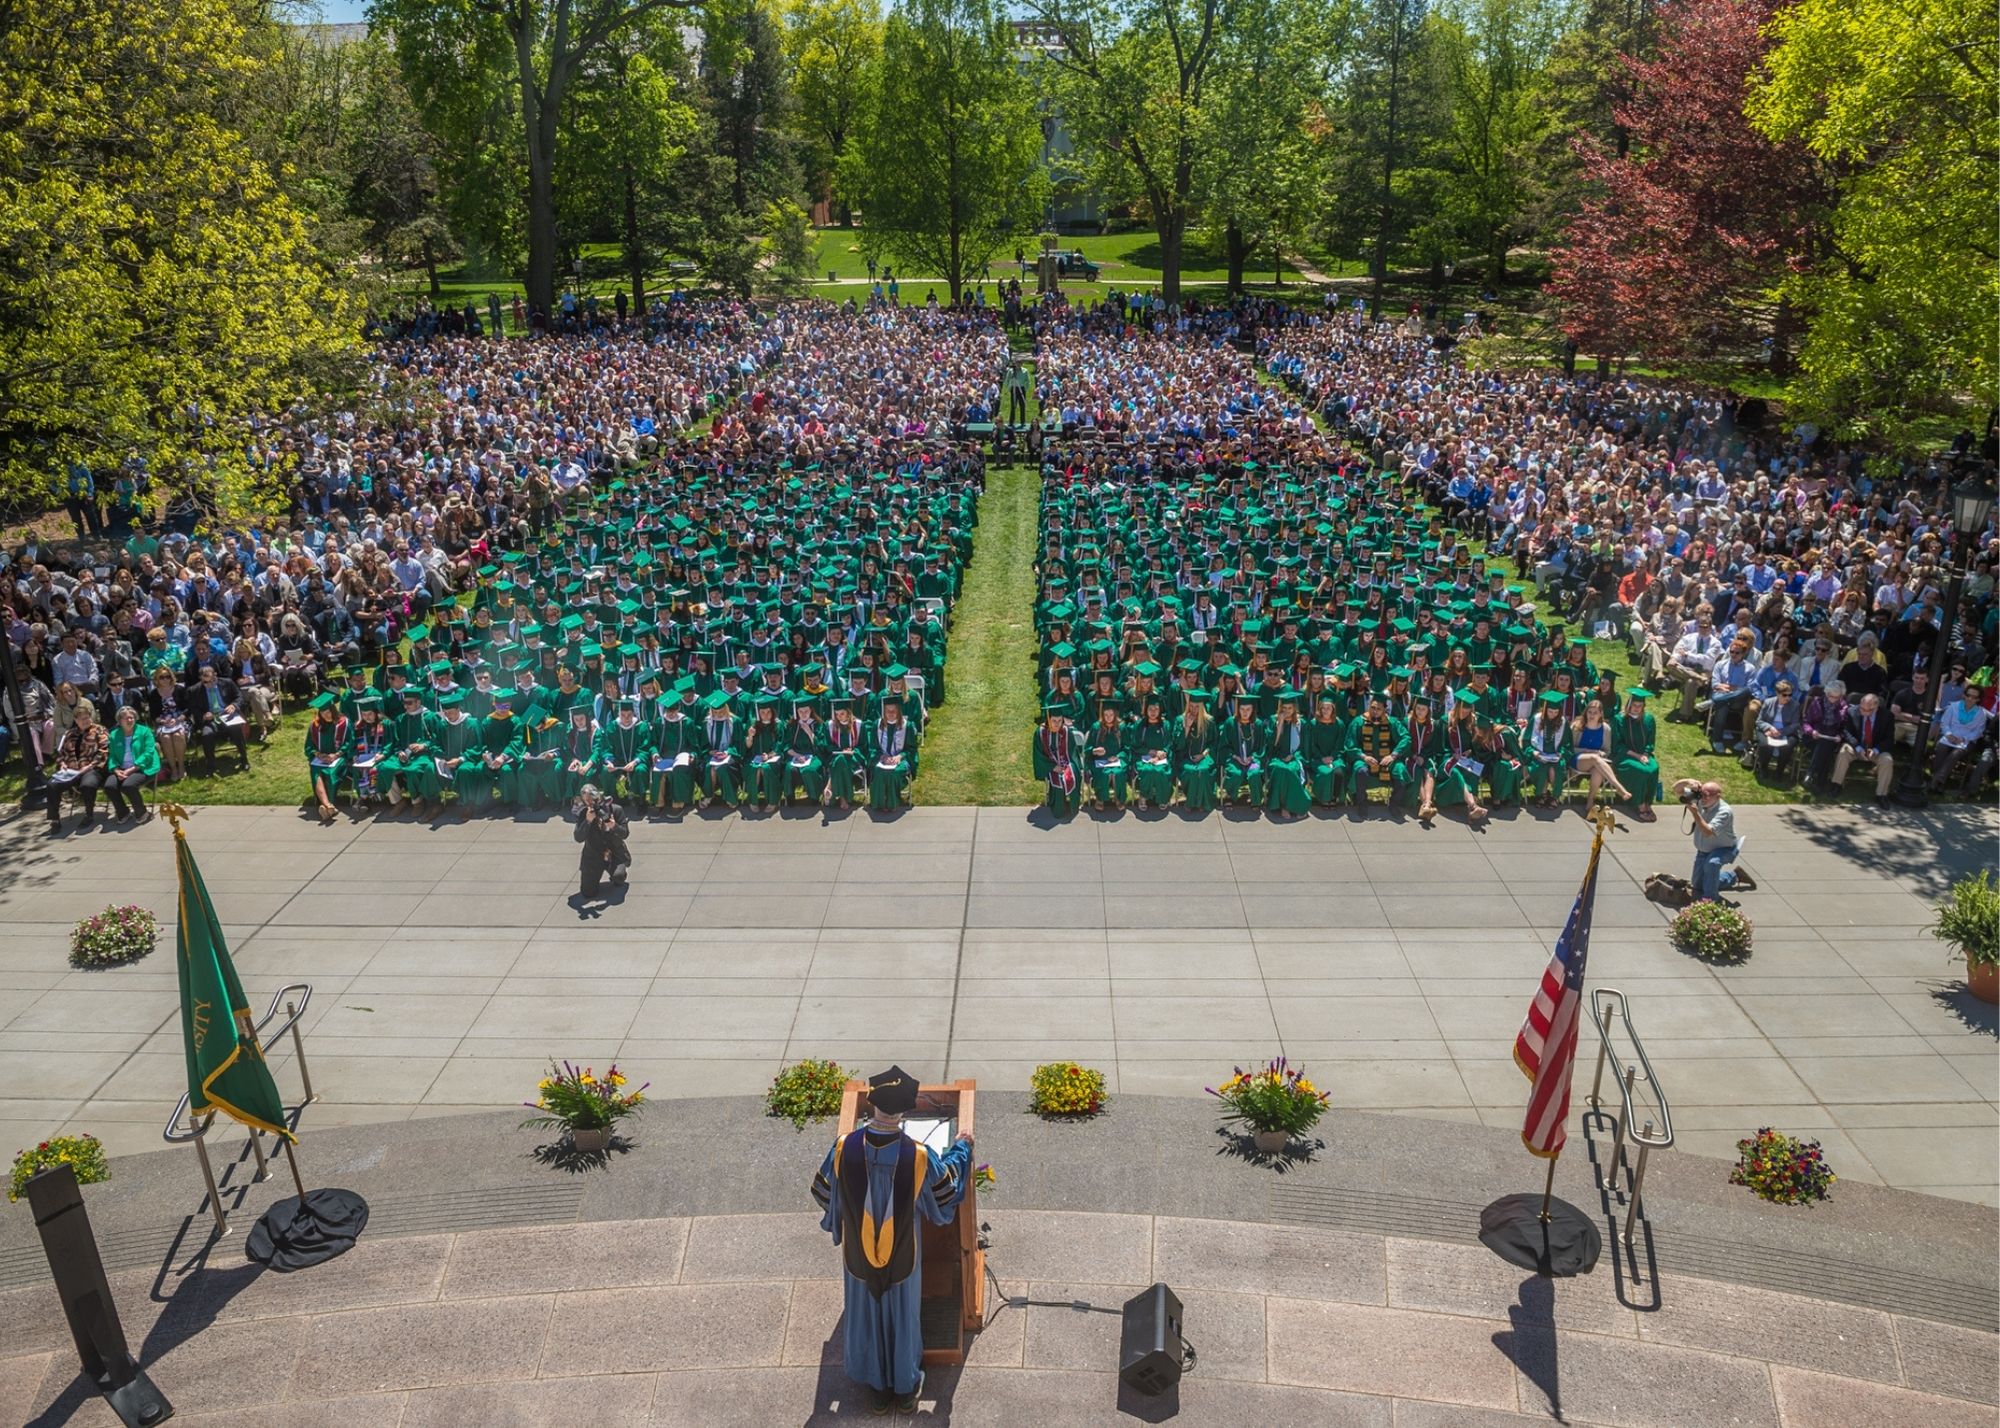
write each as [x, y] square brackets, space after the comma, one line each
[1271, 1142]
[588, 1140]
[1983, 979]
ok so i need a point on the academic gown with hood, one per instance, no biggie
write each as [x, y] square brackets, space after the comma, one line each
[884, 1182]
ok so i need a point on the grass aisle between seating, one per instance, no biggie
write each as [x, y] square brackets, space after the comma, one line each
[977, 748]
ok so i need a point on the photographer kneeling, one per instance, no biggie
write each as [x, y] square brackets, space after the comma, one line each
[1714, 836]
[601, 828]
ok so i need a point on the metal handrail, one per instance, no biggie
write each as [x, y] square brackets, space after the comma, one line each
[1605, 1004]
[197, 1130]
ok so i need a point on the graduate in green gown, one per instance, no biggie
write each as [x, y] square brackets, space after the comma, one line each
[1634, 740]
[498, 769]
[1499, 747]
[1326, 752]
[458, 746]
[577, 756]
[624, 752]
[1241, 768]
[538, 773]
[327, 737]
[1461, 766]
[677, 757]
[1195, 739]
[805, 762]
[764, 756]
[1058, 758]
[845, 753]
[1151, 741]
[1548, 749]
[1109, 763]
[1424, 758]
[722, 737]
[408, 770]
[1376, 748]
[892, 760]
[1285, 760]
[367, 742]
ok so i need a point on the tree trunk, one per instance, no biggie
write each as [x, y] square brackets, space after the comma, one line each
[1171, 226]
[1381, 260]
[635, 253]
[431, 269]
[1236, 247]
[1782, 325]
[1496, 269]
[539, 111]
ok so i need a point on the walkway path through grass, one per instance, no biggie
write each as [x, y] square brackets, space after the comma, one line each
[977, 748]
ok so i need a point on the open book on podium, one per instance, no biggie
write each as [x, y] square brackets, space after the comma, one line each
[954, 1266]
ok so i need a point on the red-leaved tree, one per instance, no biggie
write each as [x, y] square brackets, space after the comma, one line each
[1676, 243]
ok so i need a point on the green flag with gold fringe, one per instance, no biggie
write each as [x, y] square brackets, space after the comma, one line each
[225, 1065]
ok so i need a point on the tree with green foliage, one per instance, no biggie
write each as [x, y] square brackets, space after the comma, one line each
[743, 69]
[948, 160]
[1900, 99]
[1130, 79]
[833, 53]
[454, 47]
[626, 131]
[1388, 109]
[785, 268]
[1269, 98]
[391, 162]
[158, 291]
[1492, 53]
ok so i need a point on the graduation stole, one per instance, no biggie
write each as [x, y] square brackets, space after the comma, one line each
[1240, 737]
[802, 732]
[1285, 744]
[1635, 735]
[889, 739]
[328, 739]
[1061, 757]
[842, 737]
[624, 741]
[579, 744]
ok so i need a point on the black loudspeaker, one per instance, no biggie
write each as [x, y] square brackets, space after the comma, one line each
[1150, 1349]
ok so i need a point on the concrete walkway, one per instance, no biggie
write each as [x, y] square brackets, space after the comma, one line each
[730, 1320]
[1396, 961]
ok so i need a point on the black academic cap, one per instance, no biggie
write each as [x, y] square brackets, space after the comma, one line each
[893, 1092]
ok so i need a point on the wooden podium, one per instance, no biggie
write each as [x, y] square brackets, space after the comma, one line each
[954, 1266]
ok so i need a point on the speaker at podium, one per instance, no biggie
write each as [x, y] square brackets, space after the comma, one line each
[954, 1266]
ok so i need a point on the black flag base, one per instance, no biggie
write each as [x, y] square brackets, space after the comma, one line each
[138, 1404]
[1565, 1244]
[294, 1233]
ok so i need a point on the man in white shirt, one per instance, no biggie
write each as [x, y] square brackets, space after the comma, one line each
[1693, 658]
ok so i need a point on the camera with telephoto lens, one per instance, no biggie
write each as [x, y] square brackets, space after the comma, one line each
[1690, 793]
[590, 801]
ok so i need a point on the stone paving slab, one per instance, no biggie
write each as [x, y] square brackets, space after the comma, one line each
[447, 963]
[550, 1326]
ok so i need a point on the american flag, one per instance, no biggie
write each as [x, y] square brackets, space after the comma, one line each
[1546, 1048]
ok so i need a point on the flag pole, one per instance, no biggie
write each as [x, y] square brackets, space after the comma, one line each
[1548, 1187]
[293, 1161]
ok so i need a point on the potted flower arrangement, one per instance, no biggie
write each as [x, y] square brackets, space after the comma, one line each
[807, 1090]
[83, 1154]
[1781, 1168]
[1275, 1102]
[1712, 931]
[1065, 1090]
[1970, 921]
[113, 937]
[586, 1106]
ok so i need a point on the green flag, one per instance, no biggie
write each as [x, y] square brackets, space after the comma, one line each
[225, 1065]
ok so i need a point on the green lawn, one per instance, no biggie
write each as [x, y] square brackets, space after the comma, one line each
[977, 747]
[1127, 260]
